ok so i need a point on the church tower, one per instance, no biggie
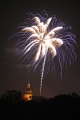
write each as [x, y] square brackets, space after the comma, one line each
[28, 95]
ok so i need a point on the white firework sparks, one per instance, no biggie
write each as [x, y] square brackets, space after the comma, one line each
[47, 41]
[46, 36]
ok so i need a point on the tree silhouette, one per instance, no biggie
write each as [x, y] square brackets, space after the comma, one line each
[60, 107]
[12, 96]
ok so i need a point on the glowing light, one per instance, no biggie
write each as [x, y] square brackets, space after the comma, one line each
[28, 95]
[43, 36]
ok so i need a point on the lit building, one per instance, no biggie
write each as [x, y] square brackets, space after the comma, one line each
[28, 95]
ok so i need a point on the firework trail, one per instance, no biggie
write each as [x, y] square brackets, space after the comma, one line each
[42, 72]
[42, 36]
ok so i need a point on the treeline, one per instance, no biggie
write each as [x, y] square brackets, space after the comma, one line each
[12, 106]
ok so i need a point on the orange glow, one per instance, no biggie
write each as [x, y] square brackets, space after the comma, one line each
[28, 95]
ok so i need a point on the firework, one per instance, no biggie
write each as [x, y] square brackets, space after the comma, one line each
[41, 39]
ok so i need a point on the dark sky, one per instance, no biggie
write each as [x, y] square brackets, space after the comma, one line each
[13, 75]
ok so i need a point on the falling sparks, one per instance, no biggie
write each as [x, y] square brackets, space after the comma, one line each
[40, 37]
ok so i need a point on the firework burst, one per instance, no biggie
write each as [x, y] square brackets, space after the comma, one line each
[41, 39]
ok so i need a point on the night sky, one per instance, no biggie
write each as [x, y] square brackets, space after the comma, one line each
[13, 75]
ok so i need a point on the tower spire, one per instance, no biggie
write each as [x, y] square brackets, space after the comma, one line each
[28, 95]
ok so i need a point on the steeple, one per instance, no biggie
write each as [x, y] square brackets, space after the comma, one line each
[28, 85]
[28, 95]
